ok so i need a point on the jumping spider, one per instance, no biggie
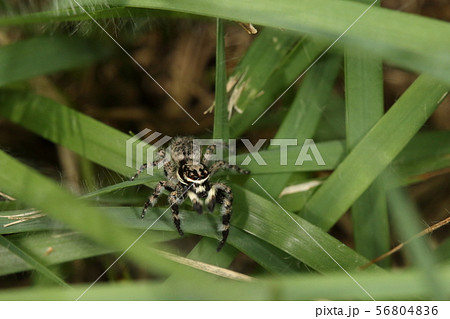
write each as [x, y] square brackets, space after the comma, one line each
[187, 178]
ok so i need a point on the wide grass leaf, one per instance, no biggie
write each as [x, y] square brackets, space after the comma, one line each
[32, 261]
[385, 140]
[39, 56]
[364, 107]
[385, 286]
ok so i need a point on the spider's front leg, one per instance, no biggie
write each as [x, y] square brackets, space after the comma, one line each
[222, 164]
[161, 154]
[176, 198]
[151, 201]
[208, 153]
[222, 194]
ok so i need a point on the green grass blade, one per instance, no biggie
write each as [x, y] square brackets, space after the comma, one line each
[256, 216]
[385, 286]
[386, 139]
[62, 125]
[49, 54]
[364, 107]
[301, 120]
[206, 251]
[32, 261]
[221, 129]
[58, 247]
[261, 95]
[269, 222]
[405, 218]
[427, 152]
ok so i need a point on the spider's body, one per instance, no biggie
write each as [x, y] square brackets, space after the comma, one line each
[185, 178]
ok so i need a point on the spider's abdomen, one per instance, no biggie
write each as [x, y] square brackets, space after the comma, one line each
[181, 149]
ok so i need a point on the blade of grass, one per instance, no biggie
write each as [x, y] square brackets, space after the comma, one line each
[258, 217]
[386, 139]
[405, 218]
[267, 221]
[302, 118]
[385, 286]
[60, 247]
[427, 152]
[49, 54]
[257, 96]
[332, 123]
[32, 261]
[254, 74]
[62, 125]
[221, 129]
[206, 251]
[364, 107]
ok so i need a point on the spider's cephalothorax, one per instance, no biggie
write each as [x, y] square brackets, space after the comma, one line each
[185, 178]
